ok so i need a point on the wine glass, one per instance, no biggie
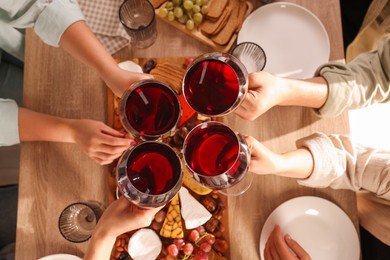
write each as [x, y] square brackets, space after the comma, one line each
[149, 174]
[215, 84]
[218, 158]
[77, 221]
[149, 109]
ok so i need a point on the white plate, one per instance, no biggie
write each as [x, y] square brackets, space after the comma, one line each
[60, 257]
[318, 225]
[294, 40]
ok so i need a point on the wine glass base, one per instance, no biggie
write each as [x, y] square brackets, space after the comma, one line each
[239, 188]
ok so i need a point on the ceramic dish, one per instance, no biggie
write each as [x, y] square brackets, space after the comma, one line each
[60, 257]
[294, 39]
[318, 225]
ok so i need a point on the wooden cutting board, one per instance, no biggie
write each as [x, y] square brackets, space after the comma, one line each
[114, 121]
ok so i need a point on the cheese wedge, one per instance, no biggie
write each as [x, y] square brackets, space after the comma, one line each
[172, 226]
[192, 184]
[192, 211]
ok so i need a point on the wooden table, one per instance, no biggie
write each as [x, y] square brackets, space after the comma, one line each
[54, 175]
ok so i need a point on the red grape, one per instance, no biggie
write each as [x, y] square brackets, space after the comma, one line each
[201, 255]
[172, 250]
[194, 235]
[206, 247]
[201, 230]
[188, 248]
[179, 242]
[160, 216]
[210, 239]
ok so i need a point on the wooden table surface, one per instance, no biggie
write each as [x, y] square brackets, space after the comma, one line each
[54, 175]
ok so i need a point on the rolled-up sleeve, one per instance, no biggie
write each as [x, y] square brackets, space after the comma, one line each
[55, 18]
[360, 83]
[340, 163]
[9, 130]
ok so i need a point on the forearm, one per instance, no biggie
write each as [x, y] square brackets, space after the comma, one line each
[297, 164]
[100, 247]
[34, 126]
[311, 93]
[79, 41]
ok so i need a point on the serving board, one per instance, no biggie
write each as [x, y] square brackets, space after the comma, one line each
[204, 38]
[114, 121]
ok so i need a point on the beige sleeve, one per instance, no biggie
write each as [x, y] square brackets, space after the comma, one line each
[340, 163]
[362, 82]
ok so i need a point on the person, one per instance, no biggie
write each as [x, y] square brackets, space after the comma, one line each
[120, 217]
[331, 160]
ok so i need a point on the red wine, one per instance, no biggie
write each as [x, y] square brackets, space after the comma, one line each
[211, 87]
[212, 151]
[153, 168]
[152, 109]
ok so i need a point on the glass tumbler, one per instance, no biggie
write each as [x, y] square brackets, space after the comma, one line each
[77, 221]
[215, 84]
[251, 55]
[138, 19]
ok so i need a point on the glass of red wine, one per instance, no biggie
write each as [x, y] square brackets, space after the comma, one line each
[149, 174]
[218, 158]
[149, 109]
[215, 84]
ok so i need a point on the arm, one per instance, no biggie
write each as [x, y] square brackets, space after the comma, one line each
[327, 161]
[337, 87]
[120, 217]
[100, 142]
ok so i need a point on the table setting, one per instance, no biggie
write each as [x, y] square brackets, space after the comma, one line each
[201, 43]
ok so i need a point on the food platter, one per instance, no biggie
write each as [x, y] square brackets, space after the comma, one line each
[212, 201]
[209, 38]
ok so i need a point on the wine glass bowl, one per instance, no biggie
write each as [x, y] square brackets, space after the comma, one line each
[149, 174]
[215, 84]
[216, 156]
[149, 109]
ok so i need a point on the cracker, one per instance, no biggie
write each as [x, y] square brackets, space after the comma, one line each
[241, 15]
[214, 27]
[215, 8]
[223, 37]
[171, 74]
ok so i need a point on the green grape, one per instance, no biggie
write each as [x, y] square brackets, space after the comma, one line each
[176, 2]
[183, 19]
[204, 9]
[163, 12]
[178, 12]
[198, 17]
[169, 5]
[188, 4]
[196, 8]
[199, 2]
[190, 24]
[205, 2]
[171, 16]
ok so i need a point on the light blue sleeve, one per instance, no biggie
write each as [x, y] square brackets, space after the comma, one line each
[55, 19]
[9, 129]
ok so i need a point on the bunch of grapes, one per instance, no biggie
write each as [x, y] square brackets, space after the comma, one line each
[197, 248]
[188, 12]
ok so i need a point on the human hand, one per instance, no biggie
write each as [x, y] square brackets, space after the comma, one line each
[294, 164]
[283, 248]
[119, 80]
[265, 91]
[99, 141]
[123, 216]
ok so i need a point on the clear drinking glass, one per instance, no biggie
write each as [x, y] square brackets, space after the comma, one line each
[77, 221]
[149, 174]
[138, 19]
[215, 84]
[149, 109]
[218, 158]
[251, 55]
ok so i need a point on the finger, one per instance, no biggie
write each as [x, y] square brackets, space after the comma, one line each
[115, 141]
[104, 159]
[111, 150]
[296, 248]
[111, 131]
